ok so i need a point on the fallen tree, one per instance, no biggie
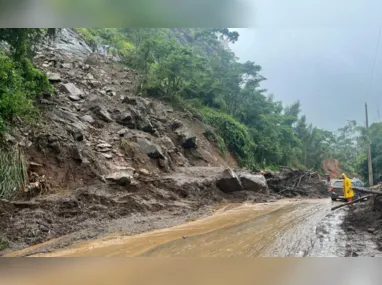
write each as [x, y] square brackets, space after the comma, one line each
[295, 182]
[350, 203]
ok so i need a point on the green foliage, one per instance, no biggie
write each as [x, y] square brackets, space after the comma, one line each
[88, 36]
[4, 244]
[19, 83]
[234, 135]
[13, 174]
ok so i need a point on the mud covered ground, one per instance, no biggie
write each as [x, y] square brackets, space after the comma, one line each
[362, 226]
[150, 203]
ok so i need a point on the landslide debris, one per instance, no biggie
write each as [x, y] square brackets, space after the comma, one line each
[103, 152]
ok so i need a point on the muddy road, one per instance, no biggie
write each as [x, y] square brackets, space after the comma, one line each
[287, 228]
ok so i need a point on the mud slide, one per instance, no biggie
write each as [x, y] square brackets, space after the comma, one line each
[284, 228]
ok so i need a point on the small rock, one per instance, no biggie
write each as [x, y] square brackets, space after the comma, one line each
[120, 178]
[176, 124]
[25, 143]
[55, 146]
[88, 118]
[90, 76]
[144, 171]
[350, 229]
[71, 89]
[67, 65]
[76, 154]
[54, 77]
[104, 147]
[96, 84]
[102, 113]
[74, 98]
[130, 100]
[126, 119]
[123, 132]
[371, 230]
[9, 139]
[77, 134]
[107, 155]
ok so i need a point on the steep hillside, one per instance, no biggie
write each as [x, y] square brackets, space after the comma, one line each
[105, 158]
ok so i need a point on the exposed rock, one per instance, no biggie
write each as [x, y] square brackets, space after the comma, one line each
[108, 155]
[102, 113]
[74, 98]
[130, 100]
[67, 65]
[229, 182]
[87, 118]
[55, 146]
[90, 76]
[76, 154]
[189, 143]
[103, 147]
[77, 134]
[126, 119]
[123, 132]
[92, 59]
[9, 139]
[144, 171]
[151, 149]
[74, 93]
[167, 142]
[176, 124]
[95, 83]
[54, 77]
[122, 178]
[25, 143]
[144, 124]
[251, 182]
[164, 163]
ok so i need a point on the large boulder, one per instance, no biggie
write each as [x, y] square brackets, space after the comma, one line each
[151, 149]
[229, 182]
[254, 182]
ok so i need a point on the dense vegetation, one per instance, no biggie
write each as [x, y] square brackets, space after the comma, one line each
[194, 69]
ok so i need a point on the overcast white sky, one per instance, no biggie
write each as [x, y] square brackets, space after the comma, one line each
[321, 53]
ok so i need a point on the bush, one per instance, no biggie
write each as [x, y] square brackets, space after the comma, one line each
[4, 244]
[233, 134]
[87, 36]
[20, 82]
[13, 173]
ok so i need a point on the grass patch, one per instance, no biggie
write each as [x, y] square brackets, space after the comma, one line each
[13, 173]
[128, 148]
[4, 244]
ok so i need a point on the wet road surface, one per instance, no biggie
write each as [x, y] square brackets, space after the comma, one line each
[283, 229]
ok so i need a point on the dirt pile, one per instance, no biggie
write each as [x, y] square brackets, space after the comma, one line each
[291, 183]
[365, 219]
